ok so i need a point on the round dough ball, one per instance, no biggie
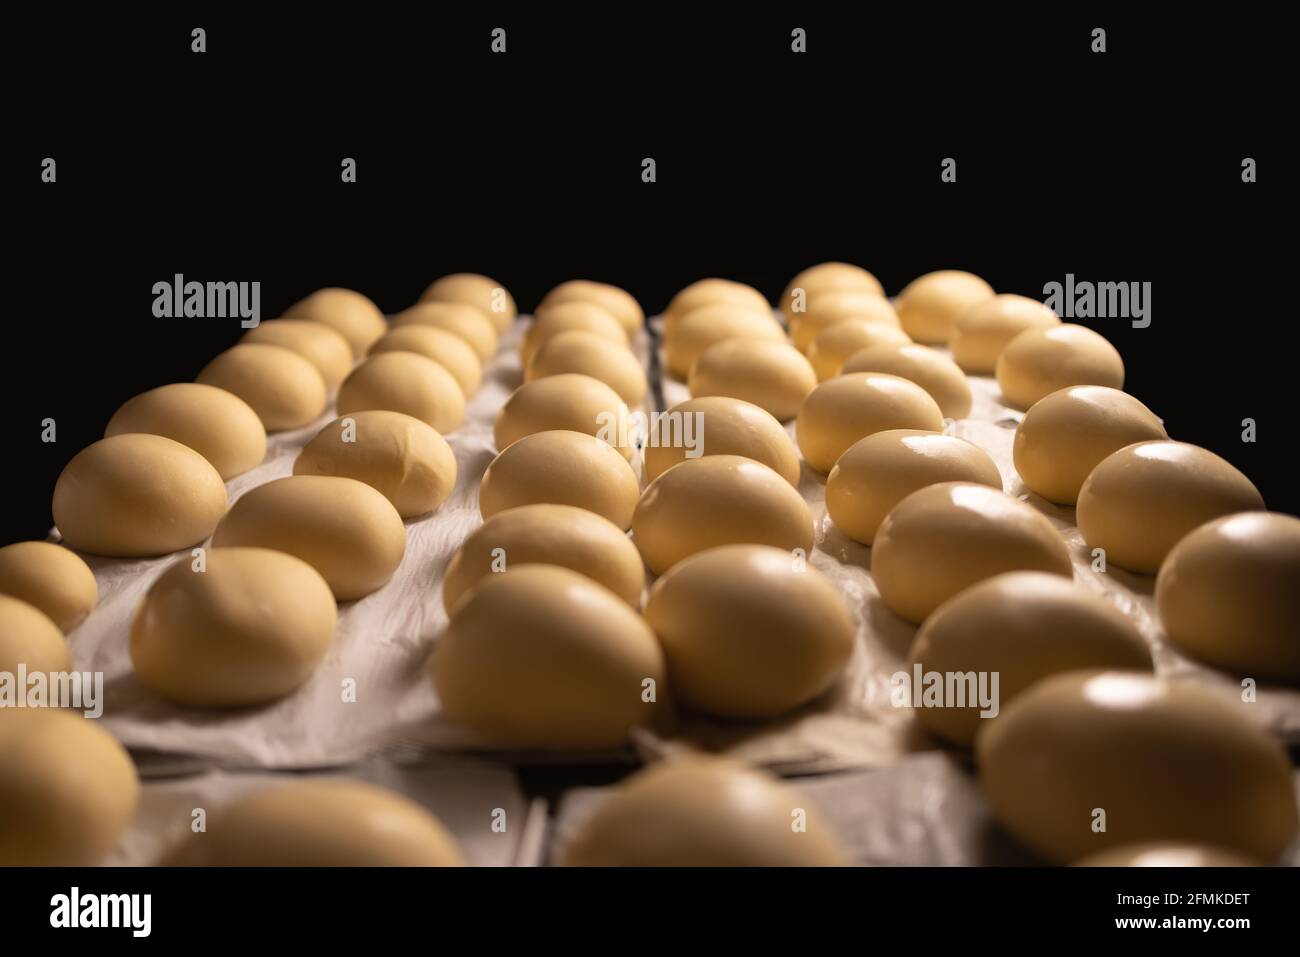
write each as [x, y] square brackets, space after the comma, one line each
[836, 343]
[720, 426]
[50, 577]
[405, 382]
[1167, 761]
[30, 638]
[332, 822]
[701, 328]
[568, 317]
[588, 354]
[773, 375]
[930, 305]
[217, 424]
[468, 322]
[349, 313]
[932, 371]
[1065, 435]
[878, 472]
[718, 500]
[566, 402]
[542, 657]
[321, 345]
[1227, 595]
[284, 389]
[708, 292]
[1167, 854]
[563, 535]
[702, 812]
[983, 331]
[560, 467]
[948, 537]
[1022, 626]
[850, 407]
[248, 629]
[746, 634]
[617, 302]
[829, 309]
[475, 290]
[137, 496]
[826, 277]
[445, 348]
[1038, 362]
[404, 459]
[343, 528]
[1140, 501]
[68, 790]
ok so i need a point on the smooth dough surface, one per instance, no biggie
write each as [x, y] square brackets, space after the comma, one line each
[834, 344]
[721, 426]
[468, 322]
[50, 577]
[542, 657]
[472, 289]
[850, 407]
[405, 382]
[983, 331]
[879, 471]
[932, 371]
[401, 457]
[707, 292]
[1167, 761]
[321, 345]
[1227, 594]
[825, 277]
[773, 375]
[1167, 854]
[830, 308]
[445, 348]
[1140, 501]
[29, 637]
[586, 353]
[570, 317]
[1038, 362]
[347, 312]
[284, 389]
[695, 331]
[560, 467]
[718, 500]
[621, 304]
[947, 537]
[930, 305]
[343, 528]
[136, 496]
[569, 402]
[249, 628]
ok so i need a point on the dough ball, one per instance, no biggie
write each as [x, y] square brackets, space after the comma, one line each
[563, 535]
[445, 348]
[561, 468]
[850, 407]
[1140, 501]
[932, 371]
[588, 354]
[50, 577]
[772, 374]
[405, 382]
[331, 822]
[829, 309]
[137, 496]
[248, 629]
[282, 387]
[566, 402]
[1227, 594]
[1167, 854]
[217, 424]
[542, 657]
[348, 313]
[948, 537]
[404, 459]
[30, 638]
[982, 332]
[826, 277]
[1166, 761]
[68, 790]
[1038, 362]
[1022, 626]
[747, 634]
[475, 290]
[720, 426]
[836, 343]
[1065, 435]
[343, 528]
[701, 328]
[708, 292]
[468, 322]
[570, 317]
[930, 305]
[718, 500]
[702, 812]
[878, 472]
[617, 302]
[321, 345]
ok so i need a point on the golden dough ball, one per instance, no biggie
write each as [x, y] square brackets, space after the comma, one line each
[568, 317]
[284, 389]
[930, 305]
[348, 313]
[717, 425]
[695, 331]
[445, 348]
[825, 277]
[321, 345]
[932, 371]
[585, 353]
[30, 638]
[850, 407]
[405, 382]
[1038, 362]
[773, 375]
[475, 290]
[621, 304]
[50, 577]
[835, 344]
[469, 322]
[708, 292]
[982, 332]
[566, 402]
[830, 308]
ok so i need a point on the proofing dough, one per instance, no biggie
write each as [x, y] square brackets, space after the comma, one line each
[399, 456]
[282, 387]
[405, 382]
[930, 305]
[931, 370]
[1165, 761]
[1038, 362]
[1167, 854]
[708, 292]
[983, 331]
[468, 322]
[773, 375]
[569, 317]
[50, 577]
[824, 278]
[718, 500]
[847, 337]
[850, 407]
[321, 345]
[249, 628]
[831, 308]
[30, 638]
[1023, 626]
[561, 468]
[567, 402]
[701, 328]
[343, 528]
[475, 290]
[348, 313]
[1227, 594]
[137, 496]
[217, 424]
[542, 657]
[725, 427]
[1140, 501]
[445, 348]
[562, 535]
[588, 354]
[948, 537]
[878, 472]
[747, 634]
[617, 302]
